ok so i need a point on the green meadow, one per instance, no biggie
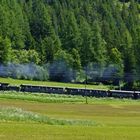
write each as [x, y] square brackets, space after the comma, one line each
[48, 83]
[26, 116]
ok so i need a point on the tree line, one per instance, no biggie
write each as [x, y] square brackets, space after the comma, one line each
[71, 38]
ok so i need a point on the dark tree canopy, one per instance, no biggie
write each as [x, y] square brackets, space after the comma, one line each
[90, 32]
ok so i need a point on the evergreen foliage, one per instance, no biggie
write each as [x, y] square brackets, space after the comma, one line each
[77, 32]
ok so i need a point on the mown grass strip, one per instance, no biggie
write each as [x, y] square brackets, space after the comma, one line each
[44, 98]
[17, 114]
[57, 98]
[60, 98]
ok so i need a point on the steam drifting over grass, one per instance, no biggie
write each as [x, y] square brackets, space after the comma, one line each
[24, 71]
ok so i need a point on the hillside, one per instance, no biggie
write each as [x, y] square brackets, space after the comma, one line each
[57, 39]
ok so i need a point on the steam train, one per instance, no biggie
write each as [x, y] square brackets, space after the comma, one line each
[71, 91]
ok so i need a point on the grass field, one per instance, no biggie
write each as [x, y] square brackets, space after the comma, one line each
[59, 84]
[101, 119]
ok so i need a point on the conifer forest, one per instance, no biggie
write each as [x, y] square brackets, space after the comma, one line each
[64, 40]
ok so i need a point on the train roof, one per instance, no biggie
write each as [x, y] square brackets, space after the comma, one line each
[125, 91]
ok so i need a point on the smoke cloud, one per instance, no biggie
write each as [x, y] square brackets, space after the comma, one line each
[61, 71]
[24, 71]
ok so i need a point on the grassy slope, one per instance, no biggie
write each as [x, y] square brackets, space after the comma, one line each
[118, 119]
[19, 82]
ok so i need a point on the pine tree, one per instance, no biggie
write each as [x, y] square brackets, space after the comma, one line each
[5, 50]
[99, 45]
[87, 52]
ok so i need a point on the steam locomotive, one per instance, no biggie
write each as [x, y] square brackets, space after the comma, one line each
[71, 91]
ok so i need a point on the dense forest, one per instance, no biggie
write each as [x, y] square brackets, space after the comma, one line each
[64, 40]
